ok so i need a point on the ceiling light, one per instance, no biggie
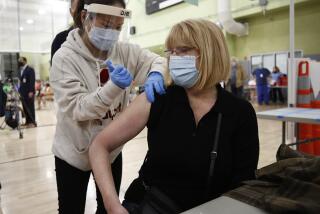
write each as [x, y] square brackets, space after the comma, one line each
[21, 28]
[41, 12]
[30, 21]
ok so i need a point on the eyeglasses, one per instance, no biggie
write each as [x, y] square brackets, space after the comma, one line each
[177, 51]
[109, 22]
[104, 76]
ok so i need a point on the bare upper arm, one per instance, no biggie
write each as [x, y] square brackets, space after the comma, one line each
[127, 125]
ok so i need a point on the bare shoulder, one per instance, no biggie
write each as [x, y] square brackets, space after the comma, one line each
[140, 100]
[139, 108]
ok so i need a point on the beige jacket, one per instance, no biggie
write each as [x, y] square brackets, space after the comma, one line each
[241, 76]
[85, 108]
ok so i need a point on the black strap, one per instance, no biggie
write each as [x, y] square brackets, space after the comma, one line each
[304, 141]
[213, 155]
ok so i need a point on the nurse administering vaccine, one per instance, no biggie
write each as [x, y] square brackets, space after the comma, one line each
[91, 76]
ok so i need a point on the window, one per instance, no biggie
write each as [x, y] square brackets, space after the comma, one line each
[282, 62]
[30, 26]
[9, 27]
[269, 60]
[256, 61]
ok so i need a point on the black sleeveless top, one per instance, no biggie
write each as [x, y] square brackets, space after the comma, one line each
[179, 151]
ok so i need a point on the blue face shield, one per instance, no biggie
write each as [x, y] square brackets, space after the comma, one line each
[102, 38]
[183, 70]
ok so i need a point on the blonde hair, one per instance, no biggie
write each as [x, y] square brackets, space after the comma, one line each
[240, 67]
[208, 39]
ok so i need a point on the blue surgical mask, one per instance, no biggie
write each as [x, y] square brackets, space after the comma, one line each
[183, 70]
[103, 39]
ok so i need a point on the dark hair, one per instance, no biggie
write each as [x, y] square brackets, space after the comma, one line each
[77, 14]
[23, 59]
[276, 68]
[80, 7]
[107, 2]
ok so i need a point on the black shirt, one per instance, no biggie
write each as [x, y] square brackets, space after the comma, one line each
[27, 81]
[179, 151]
[58, 41]
[3, 100]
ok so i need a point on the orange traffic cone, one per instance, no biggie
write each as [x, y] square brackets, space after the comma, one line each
[304, 99]
[316, 128]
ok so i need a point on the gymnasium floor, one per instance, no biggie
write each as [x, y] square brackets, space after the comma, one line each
[27, 172]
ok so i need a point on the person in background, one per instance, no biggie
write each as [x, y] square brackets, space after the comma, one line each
[39, 95]
[62, 36]
[182, 127]
[262, 76]
[237, 78]
[91, 78]
[48, 92]
[276, 92]
[27, 92]
[3, 100]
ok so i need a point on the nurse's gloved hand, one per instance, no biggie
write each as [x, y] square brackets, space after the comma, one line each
[154, 82]
[119, 75]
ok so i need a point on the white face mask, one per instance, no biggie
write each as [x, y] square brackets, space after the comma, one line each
[103, 39]
[183, 70]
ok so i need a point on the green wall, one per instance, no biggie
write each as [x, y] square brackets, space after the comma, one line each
[151, 30]
[271, 32]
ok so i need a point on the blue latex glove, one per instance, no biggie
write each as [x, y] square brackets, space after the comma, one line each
[119, 75]
[154, 81]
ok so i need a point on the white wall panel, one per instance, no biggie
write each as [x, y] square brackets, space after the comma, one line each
[30, 25]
